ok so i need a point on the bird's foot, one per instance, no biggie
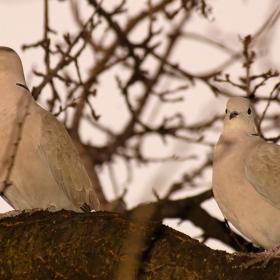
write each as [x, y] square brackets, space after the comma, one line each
[10, 214]
[15, 213]
[264, 257]
[51, 208]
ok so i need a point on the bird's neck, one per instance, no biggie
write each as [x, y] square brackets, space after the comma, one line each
[14, 101]
[239, 131]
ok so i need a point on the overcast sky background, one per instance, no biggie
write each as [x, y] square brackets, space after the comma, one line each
[22, 23]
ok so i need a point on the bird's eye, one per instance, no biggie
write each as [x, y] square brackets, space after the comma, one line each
[249, 111]
[226, 111]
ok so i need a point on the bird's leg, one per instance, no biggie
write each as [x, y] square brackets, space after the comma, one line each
[264, 257]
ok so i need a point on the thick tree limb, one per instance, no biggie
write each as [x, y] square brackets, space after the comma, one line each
[104, 245]
[189, 209]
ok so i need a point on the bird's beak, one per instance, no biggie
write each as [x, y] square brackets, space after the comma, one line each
[233, 114]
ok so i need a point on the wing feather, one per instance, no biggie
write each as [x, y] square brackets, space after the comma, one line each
[262, 168]
[61, 157]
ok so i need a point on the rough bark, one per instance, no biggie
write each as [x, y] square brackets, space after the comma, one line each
[104, 245]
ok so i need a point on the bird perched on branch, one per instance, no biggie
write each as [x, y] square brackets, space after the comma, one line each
[39, 165]
[246, 178]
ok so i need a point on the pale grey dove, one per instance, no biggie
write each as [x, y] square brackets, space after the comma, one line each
[39, 165]
[246, 176]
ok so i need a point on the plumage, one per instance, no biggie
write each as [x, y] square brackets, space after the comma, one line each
[246, 176]
[262, 168]
[46, 169]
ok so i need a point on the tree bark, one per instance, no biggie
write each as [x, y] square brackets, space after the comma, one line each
[104, 245]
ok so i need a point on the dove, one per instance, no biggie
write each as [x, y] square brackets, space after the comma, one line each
[39, 164]
[246, 176]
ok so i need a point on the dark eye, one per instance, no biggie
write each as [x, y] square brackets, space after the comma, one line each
[249, 111]
[226, 111]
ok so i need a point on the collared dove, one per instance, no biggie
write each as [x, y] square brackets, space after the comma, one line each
[246, 176]
[39, 165]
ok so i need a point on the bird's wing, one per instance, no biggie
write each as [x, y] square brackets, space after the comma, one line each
[61, 157]
[262, 168]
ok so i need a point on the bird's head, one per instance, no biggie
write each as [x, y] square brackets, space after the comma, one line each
[11, 70]
[240, 116]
